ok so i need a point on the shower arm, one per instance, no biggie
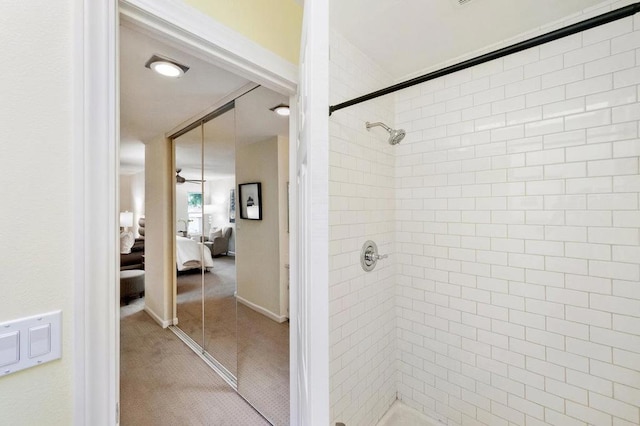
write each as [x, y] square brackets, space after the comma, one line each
[378, 123]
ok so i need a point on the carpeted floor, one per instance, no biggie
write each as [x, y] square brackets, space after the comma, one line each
[162, 382]
[253, 347]
[220, 310]
[263, 364]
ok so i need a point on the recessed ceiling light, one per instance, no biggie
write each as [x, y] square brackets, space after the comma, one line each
[281, 109]
[166, 67]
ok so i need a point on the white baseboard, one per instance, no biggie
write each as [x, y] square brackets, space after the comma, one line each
[157, 318]
[261, 310]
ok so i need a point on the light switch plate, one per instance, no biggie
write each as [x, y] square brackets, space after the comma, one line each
[9, 348]
[39, 340]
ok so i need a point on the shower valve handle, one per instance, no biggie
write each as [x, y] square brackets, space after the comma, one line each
[369, 256]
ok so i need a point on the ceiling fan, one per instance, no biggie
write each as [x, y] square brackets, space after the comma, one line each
[180, 180]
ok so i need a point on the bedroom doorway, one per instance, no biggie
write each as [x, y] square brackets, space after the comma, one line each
[254, 324]
[231, 284]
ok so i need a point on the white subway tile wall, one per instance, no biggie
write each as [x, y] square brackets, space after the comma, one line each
[512, 213]
[363, 344]
[518, 237]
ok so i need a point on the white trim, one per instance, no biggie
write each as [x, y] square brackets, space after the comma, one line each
[198, 34]
[261, 310]
[157, 318]
[96, 319]
[294, 344]
[312, 247]
[95, 208]
[79, 252]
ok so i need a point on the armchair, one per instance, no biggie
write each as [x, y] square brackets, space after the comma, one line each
[218, 241]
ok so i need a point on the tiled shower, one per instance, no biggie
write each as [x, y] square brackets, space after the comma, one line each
[511, 213]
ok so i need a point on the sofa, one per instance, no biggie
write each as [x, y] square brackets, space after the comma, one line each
[135, 259]
[218, 241]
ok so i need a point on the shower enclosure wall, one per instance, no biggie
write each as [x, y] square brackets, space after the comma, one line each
[511, 213]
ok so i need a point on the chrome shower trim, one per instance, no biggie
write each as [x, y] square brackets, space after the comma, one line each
[378, 123]
[395, 135]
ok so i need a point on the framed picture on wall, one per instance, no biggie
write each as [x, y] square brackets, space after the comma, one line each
[250, 195]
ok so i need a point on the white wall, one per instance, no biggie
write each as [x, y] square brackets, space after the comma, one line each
[181, 207]
[283, 222]
[518, 236]
[219, 190]
[516, 243]
[258, 267]
[361, 207]
[137, 199]
[132, 197]
[37, 199]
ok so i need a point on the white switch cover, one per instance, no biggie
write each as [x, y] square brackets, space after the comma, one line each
[39, 340]
[9, 348]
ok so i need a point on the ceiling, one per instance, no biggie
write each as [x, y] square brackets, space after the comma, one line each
[152, 105]
[404, 37]
[409, 36]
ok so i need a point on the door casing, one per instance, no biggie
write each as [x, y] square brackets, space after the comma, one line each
[95, 172]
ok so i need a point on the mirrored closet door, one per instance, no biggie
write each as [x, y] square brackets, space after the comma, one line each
[204, 156]
[232, 246]
[262, 156]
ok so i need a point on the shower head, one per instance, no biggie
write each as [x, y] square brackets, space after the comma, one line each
[395, 135]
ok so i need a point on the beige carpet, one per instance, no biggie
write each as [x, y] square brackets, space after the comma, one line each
[254, 348]
[162, 382]
[263, 364]
[220, 310]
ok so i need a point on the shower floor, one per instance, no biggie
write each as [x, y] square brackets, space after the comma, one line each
[402, 415]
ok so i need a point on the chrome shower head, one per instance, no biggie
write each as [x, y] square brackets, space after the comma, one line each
[395, 135]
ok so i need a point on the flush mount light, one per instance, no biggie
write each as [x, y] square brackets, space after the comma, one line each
[281, 109]
[166, 67]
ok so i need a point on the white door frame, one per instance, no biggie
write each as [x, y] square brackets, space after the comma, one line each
[95, 171]
[310, 244]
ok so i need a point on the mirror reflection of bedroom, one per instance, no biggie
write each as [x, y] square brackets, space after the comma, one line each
[214, 276]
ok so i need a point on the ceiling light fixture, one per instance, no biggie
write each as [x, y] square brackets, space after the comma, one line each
[166, 67]
[281, 109]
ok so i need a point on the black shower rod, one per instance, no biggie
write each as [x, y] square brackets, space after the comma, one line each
[596, 21]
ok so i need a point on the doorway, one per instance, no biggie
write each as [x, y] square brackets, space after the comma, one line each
[205, 226]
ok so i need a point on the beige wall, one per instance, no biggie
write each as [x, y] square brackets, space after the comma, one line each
[125, 193]
[36, 226]
[159, 231]
[273, 24]
[258, 241]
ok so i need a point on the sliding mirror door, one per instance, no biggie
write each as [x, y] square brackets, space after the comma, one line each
[205, 265]
[232, 247]
[262, 248]
[220, 234]
[189, 190]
